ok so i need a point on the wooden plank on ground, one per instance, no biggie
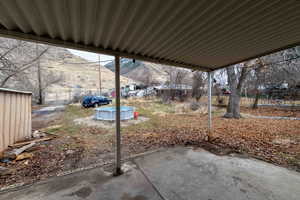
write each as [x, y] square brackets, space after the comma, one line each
[28, 142]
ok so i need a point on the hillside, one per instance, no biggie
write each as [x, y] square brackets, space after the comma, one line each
[78, 72]
[142, 71]
[155, 72]
[75, 71]
[64, 76]
[127, 65]
[148, 73]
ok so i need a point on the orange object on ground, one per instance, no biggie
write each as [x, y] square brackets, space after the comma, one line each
[135, 115]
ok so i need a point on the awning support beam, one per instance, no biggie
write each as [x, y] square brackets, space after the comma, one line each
[118, 170]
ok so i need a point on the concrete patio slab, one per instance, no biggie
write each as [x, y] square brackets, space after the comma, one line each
[183, 173]
[94, 184]
[173, 174]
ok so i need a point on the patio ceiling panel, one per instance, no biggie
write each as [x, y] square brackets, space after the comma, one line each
[198, 34]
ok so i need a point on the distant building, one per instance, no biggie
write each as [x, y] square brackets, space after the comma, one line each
[173, 91]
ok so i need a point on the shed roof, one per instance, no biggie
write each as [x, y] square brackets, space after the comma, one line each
[15, 91]
[199, 34]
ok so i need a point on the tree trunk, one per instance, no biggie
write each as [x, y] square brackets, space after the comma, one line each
[235, 82]
[258, 81]
[254, 106]
[40, 90]
[233, 107]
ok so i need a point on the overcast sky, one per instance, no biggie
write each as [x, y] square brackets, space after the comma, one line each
[91, 56]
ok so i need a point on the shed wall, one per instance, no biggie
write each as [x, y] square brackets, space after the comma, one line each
[15, 117]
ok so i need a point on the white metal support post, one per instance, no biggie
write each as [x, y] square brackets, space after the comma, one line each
[209, 74]
[118, 118]
[100, 84]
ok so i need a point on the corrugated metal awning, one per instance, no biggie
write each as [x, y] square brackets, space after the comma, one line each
[202, 34]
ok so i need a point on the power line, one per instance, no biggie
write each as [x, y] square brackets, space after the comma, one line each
[84, 63]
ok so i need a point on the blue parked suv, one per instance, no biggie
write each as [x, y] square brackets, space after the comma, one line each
[95, 101]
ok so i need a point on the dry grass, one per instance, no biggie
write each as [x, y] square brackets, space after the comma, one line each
[276, 141]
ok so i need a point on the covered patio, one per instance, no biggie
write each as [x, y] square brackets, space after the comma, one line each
[199, 35]
[177, 173]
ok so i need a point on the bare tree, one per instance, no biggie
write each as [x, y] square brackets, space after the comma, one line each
[48, 79]
[10, 65]
[20, 67]
[275, 70]
[148, 81]
[259, 75]
[218, 92]
[175, 82]
[219, 82]
[236, 76]
[198, 84]
[268, 71]
[283, 67]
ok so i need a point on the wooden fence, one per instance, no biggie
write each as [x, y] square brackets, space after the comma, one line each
[15, 116]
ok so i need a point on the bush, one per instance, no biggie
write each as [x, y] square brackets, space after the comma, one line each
[194, 106]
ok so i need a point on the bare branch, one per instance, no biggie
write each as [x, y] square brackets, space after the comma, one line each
[19, 69]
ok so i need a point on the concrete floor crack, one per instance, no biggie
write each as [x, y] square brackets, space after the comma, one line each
[149, 181]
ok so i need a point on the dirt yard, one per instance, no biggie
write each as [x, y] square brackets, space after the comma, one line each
[77, 145]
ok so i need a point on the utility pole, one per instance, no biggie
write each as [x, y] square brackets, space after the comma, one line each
[100, 89]
[40, 101]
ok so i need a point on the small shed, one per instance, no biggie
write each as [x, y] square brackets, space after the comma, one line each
[15, 116]
[174, 90]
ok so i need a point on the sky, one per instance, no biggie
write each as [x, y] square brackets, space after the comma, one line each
[91, 56]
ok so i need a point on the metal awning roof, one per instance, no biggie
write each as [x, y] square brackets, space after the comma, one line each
[200, 34]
